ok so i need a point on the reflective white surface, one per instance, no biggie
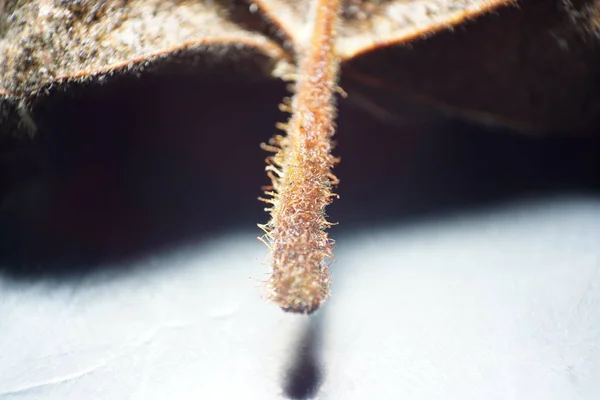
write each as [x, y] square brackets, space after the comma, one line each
[502, 304]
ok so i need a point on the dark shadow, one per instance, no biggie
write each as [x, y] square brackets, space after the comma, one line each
[435, 166]
[134, 167]
[127, 169]
[304, 377]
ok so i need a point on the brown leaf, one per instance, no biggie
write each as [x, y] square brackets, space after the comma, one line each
[535, 68]
[370, 24]
[48, 43]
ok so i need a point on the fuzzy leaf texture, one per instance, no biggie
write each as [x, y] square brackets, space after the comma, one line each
[532, 65]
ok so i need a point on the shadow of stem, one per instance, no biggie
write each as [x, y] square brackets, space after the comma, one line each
[303, 378]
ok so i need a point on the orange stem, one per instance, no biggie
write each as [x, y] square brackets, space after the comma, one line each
[301, 174]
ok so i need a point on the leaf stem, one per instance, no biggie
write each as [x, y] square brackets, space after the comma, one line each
[301, 174]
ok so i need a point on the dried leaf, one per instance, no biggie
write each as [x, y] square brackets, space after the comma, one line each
[48, 43]
[56, 40]
[45, 44]
[370, 24]
[535, 68]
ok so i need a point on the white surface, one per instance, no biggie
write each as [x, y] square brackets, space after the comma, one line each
[504, 305]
